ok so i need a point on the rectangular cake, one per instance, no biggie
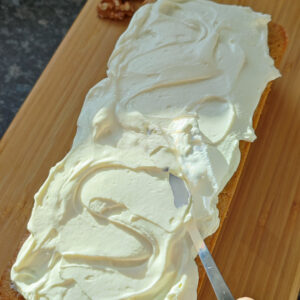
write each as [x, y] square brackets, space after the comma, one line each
[183, 85]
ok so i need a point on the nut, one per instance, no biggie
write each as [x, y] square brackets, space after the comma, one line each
[115, 9]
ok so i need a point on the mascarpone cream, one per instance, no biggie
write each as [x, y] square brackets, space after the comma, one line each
[182, 85]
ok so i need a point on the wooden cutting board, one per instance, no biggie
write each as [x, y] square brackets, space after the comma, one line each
[258, 250]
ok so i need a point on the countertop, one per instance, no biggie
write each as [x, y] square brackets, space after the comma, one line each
[30, 32]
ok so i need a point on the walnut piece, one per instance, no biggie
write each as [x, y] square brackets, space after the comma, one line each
[115, 9]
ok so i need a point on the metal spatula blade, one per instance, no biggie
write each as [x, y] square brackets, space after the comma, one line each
[181, 197]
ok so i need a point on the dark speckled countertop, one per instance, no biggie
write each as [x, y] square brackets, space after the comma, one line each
[30, 31]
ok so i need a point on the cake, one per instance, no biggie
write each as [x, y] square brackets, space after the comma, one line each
[155, 114]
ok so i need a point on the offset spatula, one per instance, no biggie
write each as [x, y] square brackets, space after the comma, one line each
[181, 196]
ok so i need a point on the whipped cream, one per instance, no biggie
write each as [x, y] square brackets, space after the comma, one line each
[182, 85]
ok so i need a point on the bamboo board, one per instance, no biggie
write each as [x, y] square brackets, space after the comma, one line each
[258, 250]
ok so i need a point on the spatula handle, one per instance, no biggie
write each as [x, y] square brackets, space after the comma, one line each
[219, 285]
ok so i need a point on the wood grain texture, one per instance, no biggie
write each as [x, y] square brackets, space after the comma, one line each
[261, 232]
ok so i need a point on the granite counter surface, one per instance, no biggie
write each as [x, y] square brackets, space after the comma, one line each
[30, 31]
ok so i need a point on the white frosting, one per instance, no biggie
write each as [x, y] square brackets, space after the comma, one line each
[182, 85]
